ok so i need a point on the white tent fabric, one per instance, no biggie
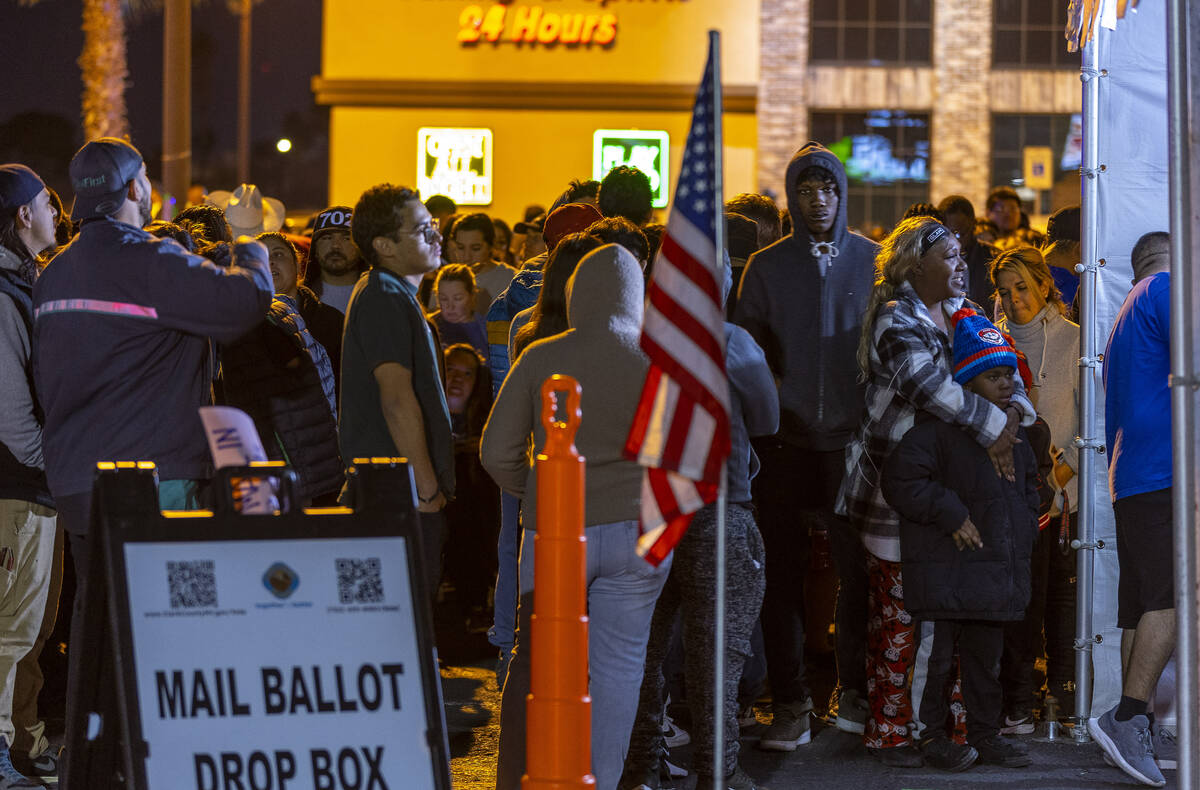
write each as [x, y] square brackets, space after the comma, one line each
[1132, 199]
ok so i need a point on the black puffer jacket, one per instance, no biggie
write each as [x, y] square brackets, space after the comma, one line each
[935, 479]
[282, 378]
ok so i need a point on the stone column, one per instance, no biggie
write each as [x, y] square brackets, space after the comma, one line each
[782, 110]
[960, 137]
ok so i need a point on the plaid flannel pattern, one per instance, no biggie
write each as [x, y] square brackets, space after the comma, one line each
[911, 365]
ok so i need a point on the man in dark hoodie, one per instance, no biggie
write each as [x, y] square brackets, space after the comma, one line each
[803, 298]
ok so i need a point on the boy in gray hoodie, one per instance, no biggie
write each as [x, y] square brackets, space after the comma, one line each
[802, 299]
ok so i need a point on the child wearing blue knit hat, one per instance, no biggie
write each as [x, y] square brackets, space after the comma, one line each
[966, 539]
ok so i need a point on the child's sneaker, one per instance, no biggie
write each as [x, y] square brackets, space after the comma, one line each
[945, 755]
[998, 750]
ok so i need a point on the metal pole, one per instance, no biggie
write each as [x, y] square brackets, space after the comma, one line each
[177, 102]
[1088, 362]
[1183, 491]
[714, 49]
[243, 151]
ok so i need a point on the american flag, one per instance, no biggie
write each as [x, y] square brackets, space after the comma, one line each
[681, 430]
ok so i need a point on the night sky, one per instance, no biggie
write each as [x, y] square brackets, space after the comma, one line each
[38, 58]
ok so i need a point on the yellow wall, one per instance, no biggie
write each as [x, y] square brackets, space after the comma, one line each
[535, 153]
[656, 41]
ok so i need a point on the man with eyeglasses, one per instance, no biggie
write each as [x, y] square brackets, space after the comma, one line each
[392, 398]
[802, 299]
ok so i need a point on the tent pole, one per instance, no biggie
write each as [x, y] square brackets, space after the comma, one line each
[1183, 382]
[1088, 362]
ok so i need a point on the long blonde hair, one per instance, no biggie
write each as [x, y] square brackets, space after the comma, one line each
[1027, 263]
[898, 253]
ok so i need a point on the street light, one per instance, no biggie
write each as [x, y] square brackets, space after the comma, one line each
[283, 145]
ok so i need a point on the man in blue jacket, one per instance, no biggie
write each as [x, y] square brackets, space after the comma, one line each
[802, 299]
[122, 324]
[122, 360]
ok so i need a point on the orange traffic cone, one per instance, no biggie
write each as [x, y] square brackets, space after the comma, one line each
[558, 741]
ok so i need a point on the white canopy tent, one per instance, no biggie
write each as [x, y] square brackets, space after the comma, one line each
[1136, 128]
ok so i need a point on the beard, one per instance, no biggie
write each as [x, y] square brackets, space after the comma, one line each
[145, 209]
[335, 263]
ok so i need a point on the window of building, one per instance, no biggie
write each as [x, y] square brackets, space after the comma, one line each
[886, 154]
[1012, 133]
[871, 32]
[1030, 34]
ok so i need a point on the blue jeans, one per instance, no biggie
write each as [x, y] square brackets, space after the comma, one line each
[504, 616]
[622, 590]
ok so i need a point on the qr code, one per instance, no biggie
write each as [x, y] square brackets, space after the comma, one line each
[193, 584]
[359, 581]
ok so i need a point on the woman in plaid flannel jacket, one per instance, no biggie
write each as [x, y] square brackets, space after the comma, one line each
[906, 358]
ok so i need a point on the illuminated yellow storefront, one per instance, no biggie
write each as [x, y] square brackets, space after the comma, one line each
[534, 81]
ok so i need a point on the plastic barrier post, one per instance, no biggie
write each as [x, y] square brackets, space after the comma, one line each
[558, 741]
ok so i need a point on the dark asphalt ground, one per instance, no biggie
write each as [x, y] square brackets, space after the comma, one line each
[833, 759]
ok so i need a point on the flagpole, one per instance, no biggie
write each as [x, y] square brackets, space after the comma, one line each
[714, 48]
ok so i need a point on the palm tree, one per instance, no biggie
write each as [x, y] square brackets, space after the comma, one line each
[103, 64]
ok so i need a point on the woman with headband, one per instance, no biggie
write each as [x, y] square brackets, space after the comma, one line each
[905, 357]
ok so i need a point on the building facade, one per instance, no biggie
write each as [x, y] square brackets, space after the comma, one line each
[921, 98]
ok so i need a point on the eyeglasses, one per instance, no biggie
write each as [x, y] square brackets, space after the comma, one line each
[429, 230]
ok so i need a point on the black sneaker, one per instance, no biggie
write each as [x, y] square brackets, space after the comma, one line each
[43, 768]
[1018, 722]
[998, 750]
[907, 756]
[946, 755]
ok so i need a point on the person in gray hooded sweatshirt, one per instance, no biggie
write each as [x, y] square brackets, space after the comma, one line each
[803, 299]
[600, 350]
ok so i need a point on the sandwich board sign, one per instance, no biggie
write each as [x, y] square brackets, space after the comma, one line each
[273, 651]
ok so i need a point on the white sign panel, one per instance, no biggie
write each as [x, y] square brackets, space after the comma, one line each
[456, 163]
[234, 441]
[282, 664]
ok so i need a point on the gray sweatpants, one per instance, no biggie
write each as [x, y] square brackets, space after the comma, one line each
[691, 588]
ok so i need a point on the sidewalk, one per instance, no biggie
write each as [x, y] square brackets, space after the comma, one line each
[833, 759]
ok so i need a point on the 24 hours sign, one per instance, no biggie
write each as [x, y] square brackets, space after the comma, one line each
[283, 664]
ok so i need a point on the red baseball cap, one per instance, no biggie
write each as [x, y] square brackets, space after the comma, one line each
[568, 219]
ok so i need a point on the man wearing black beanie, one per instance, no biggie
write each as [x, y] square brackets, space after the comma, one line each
[29, 594]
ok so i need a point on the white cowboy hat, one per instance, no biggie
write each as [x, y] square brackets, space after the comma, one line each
[248, 210]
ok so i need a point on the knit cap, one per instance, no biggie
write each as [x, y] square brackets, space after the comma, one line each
[978, 346]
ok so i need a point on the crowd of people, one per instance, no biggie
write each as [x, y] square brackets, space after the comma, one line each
[911, 401]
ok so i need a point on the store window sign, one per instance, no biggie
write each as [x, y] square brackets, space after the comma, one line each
[648, 151]
[456, 163]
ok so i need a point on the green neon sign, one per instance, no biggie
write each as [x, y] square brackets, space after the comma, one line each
[648, 151]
